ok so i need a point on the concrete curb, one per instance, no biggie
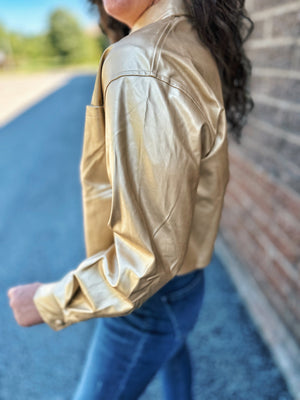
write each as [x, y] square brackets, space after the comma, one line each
[283, 347]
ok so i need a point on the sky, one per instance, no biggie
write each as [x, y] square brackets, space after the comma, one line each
[31, 16]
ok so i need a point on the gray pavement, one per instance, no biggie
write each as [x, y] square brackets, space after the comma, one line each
[41, 238]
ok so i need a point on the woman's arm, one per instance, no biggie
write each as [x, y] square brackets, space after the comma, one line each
[153, 160]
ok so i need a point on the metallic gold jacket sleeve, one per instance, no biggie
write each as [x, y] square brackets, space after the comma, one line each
[153, 163]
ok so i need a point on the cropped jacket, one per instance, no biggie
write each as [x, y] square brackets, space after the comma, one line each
[154, 170]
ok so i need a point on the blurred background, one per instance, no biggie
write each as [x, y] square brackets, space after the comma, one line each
[246, 344]
[35, 36]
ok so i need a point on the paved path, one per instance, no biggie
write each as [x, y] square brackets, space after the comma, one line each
[19, 91]
[41, 238]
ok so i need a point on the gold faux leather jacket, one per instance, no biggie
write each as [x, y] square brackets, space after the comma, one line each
[154, 170]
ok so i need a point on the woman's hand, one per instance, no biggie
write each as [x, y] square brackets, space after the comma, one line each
[21, 302]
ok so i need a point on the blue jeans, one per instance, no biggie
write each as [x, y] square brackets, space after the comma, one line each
[126, 352]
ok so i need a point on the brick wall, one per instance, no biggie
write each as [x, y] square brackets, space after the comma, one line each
[261, 217]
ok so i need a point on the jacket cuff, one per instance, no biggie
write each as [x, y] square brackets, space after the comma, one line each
[48, 307]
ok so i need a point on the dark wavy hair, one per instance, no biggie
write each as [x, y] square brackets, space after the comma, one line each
[223, 26]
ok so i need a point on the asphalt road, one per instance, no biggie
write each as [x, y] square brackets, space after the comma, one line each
[41, 238]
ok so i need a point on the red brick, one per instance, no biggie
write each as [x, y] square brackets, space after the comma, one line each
[283, 88]
[272, 57]
[258, 30]
[281, 206]
[286, 24]
[273, 114]
[258, 5]
[270, 275]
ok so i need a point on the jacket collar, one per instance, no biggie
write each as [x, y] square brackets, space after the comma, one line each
[160, 10]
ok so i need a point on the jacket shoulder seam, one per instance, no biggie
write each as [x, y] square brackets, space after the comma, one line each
[164, 79]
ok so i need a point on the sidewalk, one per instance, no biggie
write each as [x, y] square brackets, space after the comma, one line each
[19, 91]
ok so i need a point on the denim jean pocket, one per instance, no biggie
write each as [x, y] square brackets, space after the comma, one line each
[182, 305]
[183, 286]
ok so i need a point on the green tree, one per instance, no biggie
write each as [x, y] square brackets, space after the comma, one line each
[64, 43]
[5, 44]
[65, 36]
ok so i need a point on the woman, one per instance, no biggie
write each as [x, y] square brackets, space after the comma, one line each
[154, 172]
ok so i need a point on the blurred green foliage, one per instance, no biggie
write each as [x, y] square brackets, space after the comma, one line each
[65, 43]
[66, 37]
